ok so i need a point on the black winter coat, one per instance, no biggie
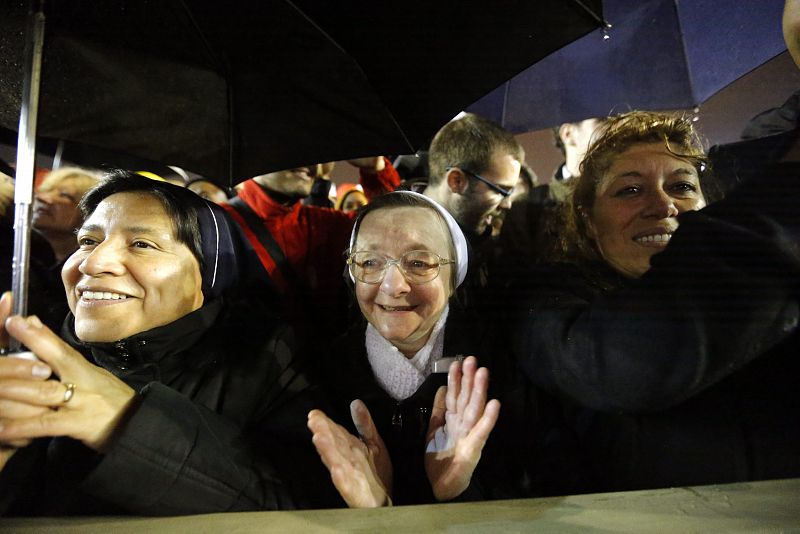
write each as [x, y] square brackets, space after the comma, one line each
[689, 373]
[219, 426]
[347, 375]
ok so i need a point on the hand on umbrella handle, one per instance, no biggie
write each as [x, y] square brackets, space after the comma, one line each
[87, 403]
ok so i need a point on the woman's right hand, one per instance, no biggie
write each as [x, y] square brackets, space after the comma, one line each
[12, 371]
[87, 403]
[361, 468]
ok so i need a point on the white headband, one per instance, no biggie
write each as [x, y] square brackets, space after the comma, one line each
[459, 241]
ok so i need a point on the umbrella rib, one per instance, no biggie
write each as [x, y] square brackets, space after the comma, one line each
[364, 74]
[600, 20]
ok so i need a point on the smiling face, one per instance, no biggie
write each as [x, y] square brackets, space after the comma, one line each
[403, 313]
[130, 273]
[637, 203]
[480, 204]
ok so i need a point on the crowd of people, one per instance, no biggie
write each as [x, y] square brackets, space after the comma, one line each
[458, 333]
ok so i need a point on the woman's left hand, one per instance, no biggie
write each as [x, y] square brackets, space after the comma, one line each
[87, 404]
[461, 421]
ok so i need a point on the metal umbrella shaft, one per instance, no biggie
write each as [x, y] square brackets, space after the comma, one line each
[26, 161]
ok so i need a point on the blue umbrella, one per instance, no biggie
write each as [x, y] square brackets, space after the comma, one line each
[658, 55]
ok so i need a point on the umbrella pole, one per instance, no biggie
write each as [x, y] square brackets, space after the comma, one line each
[26, 160]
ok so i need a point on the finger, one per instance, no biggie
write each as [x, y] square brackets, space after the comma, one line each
[453, 386]
[47, 346]
[333, 442]
[10, 409]
[477, 400]
[50, 423]
[467, 376]
[47, 393]
[6, 302]
[363, 421]
[25, 369]
[437, 412]
[480, 432]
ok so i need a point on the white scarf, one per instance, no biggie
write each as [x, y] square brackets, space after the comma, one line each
[399, 376]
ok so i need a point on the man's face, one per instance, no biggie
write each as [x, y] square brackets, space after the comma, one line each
[479, 204]
[294, 183]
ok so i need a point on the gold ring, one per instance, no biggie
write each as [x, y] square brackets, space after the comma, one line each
[69, 393]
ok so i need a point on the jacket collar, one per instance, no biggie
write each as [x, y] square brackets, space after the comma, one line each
[161, 349]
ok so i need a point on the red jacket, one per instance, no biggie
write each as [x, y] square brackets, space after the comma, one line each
[313, 239]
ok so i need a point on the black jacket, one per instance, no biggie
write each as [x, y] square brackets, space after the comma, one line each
[219, 426]
[347, 375]
[688, 372]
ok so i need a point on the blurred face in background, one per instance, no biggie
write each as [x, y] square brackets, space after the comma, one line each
[208, 191]
[55, 206]
[353, 200]
[637, 204]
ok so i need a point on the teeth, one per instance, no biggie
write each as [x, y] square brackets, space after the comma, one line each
[656, 238]
[396, 308]
[102, 295]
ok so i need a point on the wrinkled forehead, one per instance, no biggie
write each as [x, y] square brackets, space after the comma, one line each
[403, 227]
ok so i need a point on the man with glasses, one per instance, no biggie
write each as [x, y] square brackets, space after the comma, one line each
[474, 166]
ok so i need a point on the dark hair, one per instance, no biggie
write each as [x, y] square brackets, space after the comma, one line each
[181, 205]
[400, 199]
[470, 141]
[617, 135]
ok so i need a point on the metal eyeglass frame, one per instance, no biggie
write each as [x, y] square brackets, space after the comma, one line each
[493, 186]
[397, 262]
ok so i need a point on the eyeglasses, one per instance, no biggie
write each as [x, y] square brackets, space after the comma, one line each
[505, 191]
[417, 266]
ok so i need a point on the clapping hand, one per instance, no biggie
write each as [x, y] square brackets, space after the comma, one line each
[361, 468]
[461, 421]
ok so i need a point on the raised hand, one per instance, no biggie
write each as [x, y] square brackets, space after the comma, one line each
[461, 421]
[87, 403]
[360, 469]
[12, 370]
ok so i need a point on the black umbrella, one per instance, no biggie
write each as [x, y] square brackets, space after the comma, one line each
[234, 89]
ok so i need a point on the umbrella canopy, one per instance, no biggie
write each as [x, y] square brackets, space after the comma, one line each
[234, 89]
[658, 55]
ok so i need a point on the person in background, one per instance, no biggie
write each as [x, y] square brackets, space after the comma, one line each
[208, 190]
[669, 327]
[55, 209]
[300, 247]
[166, 394]
[321, 189]
[55, 218]
[351, 200]
[573, 140]
[474, 166]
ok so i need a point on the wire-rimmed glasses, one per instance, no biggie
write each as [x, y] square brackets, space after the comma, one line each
[417, 266]
[505, 191]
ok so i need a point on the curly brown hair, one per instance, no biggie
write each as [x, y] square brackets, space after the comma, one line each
[615, 136]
